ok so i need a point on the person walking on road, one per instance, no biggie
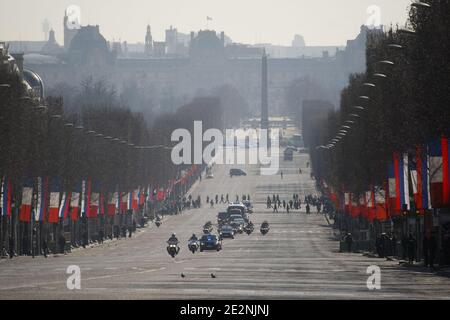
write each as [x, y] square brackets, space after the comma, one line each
[412, 245]
[275, 208]
[281, 175]
[349, 242]
[429, 249]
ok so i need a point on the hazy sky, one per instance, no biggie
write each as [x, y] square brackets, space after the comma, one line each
[321, 22]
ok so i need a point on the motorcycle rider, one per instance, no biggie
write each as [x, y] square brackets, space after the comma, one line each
[193, 238]
[173, 240]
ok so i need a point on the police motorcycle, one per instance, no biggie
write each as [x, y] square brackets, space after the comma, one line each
[193, 244]
[208, 227]
[158, 221]
[265, 228]
[173, 249]
[249, 228]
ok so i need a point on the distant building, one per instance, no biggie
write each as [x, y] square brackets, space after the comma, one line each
[298, 41]
[148, 42]
[89, 47]
[171, 41]
[201, 62]
[159, 49]
[52, 47]
[69, 33]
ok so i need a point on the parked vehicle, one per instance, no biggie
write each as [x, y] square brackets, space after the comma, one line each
[237, 173]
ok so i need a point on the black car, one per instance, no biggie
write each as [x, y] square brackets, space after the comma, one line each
[227, 231]
[210, 242]
[237, 173]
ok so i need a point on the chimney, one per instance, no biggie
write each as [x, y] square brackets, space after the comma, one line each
[222, 38]
[18, 57]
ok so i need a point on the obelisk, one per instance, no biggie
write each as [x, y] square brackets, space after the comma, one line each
[265, 98]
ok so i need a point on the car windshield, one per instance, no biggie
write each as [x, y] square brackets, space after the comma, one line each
[209, 238]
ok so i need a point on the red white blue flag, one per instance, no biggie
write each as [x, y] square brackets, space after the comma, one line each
[53, 214]
[27, 200]
[436, 173]
[94, 198]
[65, 204]
[75, 201]
[42, 199]
[6, 197]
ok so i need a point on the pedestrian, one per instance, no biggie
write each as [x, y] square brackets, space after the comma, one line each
[284, 204]
[281, 175]
[45, 248]
[412, 245]
[212, 203]
[62, 244]
[228, 198]
[404, 243]
[101, 234]
[308, 209]
[248, 197]
[275, 208]
[11, 247]
[349, 242]
[130, 232]
[429, 249]
[269, 203]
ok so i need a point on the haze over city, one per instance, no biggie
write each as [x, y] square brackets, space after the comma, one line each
[224, 150]
[322, 22]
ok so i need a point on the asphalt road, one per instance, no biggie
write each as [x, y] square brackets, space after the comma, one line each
[298, 259]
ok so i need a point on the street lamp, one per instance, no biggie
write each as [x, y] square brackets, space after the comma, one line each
[354, 115]
[386, 62]
[366, 98]
[421, 5]
[395, 46]
[359, 108]
[380, 75]
[370, 85]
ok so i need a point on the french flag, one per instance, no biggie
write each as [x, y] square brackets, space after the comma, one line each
[401, 179]
[436, 160]
[64, 207]
[161, 195]
[113, 204]
[141, 196]
[130, 200]
[445, 143]
[420, 180]
[27, 200]
[6, 196]
[393, 204]
[94, 198]
[75, 202]
[380, 204]
[84, 198]
[101, 209]
[124, 202]
[135, 204]
[370, 205]
[346, 202]
[54, 201]
[42, 196]
[354, 208]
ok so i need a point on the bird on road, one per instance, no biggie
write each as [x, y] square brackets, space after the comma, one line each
[183, 276]
[213, 275]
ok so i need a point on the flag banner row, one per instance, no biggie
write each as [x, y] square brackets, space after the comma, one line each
[416, 181]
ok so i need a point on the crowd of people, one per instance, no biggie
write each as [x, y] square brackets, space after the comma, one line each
[295, 203]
